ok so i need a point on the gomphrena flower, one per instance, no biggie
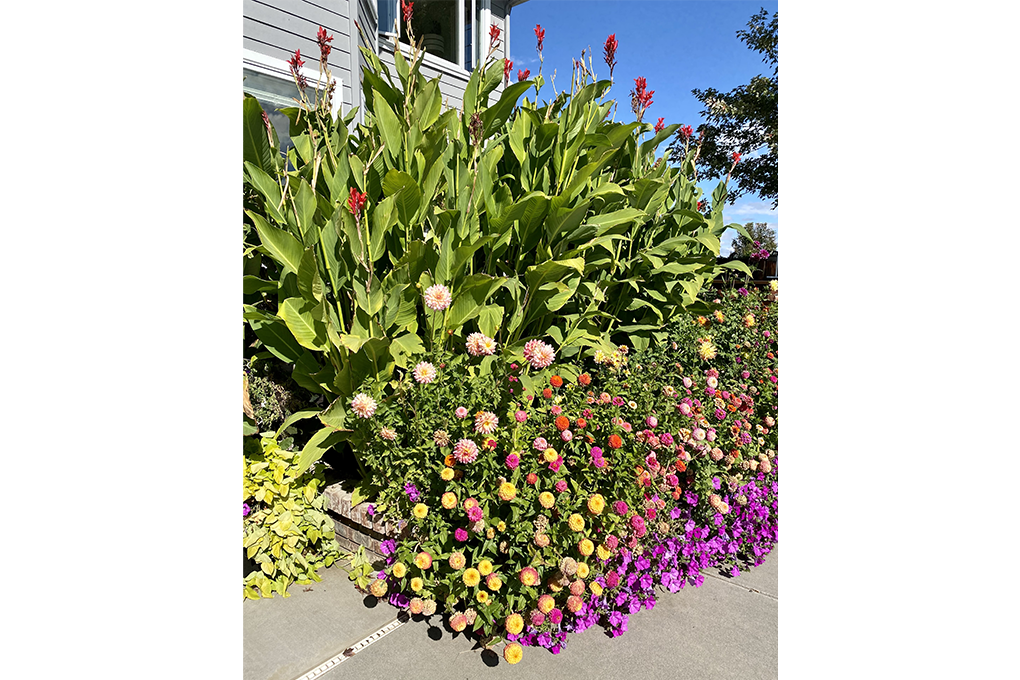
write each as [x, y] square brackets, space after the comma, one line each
[538, 354]
[465, 451]
[363, 405]
[425, 373]
[486, 422]
[513, 653]
[438, 297]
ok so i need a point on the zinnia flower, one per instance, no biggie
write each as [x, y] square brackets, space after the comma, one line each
[507, 491]
[457, 561]
[447, 474]
[576, 523]
[529, 576]
[583, 570]
[520, 416]
[620, 507]
[460, 534]
[540, 444]
[472, 577]
[388, 433]
[584, 379]
[556, 381]
[541, 540]
[566, 435]
[461, 412]
[420, 510]
[512, 461]
[538, 354]
[546, 499]
[378, 587]
[458, 622]
[423, 560]
[574, 603]
[596, 504]
[417, 605]
[546, 603]
[424, 373]
[603, 552]
[437, 297]
[465, 451]
[514, 624]
[585, 547]
[513, 653]
[449, 500]
[363, 405]
[614, 441]
[485, 422]
[441, 438]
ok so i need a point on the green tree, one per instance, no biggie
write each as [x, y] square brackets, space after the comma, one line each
[759, 232]
[744, 120]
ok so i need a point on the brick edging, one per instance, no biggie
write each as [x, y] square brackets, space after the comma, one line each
[354, 527]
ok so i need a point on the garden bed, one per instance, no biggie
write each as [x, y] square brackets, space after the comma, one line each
[356, 527]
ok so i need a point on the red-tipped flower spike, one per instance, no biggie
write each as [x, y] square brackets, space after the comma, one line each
[324, 48]
[493, 36]
[523, 75]
[640, 97]
[296, 63]
[736, 157]
[659, 125]
[540, 34]
[686, 131]
[356, 202]
[507, 65]
[610, 47]
[408, 9]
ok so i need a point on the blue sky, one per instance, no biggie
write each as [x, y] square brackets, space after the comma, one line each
[676, 46]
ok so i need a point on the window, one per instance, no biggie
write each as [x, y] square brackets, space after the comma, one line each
[270, 81]
[446, 28]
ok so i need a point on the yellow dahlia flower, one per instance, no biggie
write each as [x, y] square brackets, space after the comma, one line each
[514, 624]
[513, 653]
[576, 522]
[706, 350]
[449, 499]
[596, 504]
[546, 499]
[485, 567]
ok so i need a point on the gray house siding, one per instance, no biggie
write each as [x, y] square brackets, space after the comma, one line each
[276, 28]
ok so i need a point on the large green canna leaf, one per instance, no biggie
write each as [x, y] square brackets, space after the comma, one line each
[304, 320]
[304, 212]
[321, 441]
[279, 244]
[404, 348]
[390, 129]
[405, 193]
[269, 188]
[308, 281]
[494, 116]
[277, 338]
[258, 149]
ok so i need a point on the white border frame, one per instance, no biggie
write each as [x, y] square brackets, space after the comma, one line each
[280, 69]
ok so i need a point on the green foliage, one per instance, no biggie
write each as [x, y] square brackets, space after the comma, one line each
[542, 220]
[743, 244]
[287, 532]
[744, 120]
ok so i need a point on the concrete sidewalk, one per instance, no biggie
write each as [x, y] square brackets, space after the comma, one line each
[727, 628]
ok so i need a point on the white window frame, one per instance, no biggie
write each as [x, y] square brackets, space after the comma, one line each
[280, 69]
[479, 8]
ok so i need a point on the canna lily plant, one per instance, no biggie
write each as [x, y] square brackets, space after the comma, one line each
[540, 220]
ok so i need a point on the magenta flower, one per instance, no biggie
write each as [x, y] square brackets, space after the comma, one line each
[512, 461]
[461, 535]
[461, 412]
[620, 507]
[540, 444]
[520, 416]
[561, 485]
[652, 422]
[246, 510]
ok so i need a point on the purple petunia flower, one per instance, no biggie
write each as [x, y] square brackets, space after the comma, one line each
[388, 547]
[246, 510]
[370, 510]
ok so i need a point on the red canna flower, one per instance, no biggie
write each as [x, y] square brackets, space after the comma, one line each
[324, 48]
[540, 34]
[507, 65]
[295, 64]
[736, 157]
[610, 48]
[701, 205]
[640, 97]
[356, 202]
[686, 132]
[493, 36]
[408, 9]
[659, 125]
[523, 75]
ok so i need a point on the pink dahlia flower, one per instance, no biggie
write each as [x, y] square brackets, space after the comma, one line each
[540, 444]
[437, 297]
[363, 405]
[465, 451]
[461, 412]
[425, 373]
[485, 422]
[538, 353]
